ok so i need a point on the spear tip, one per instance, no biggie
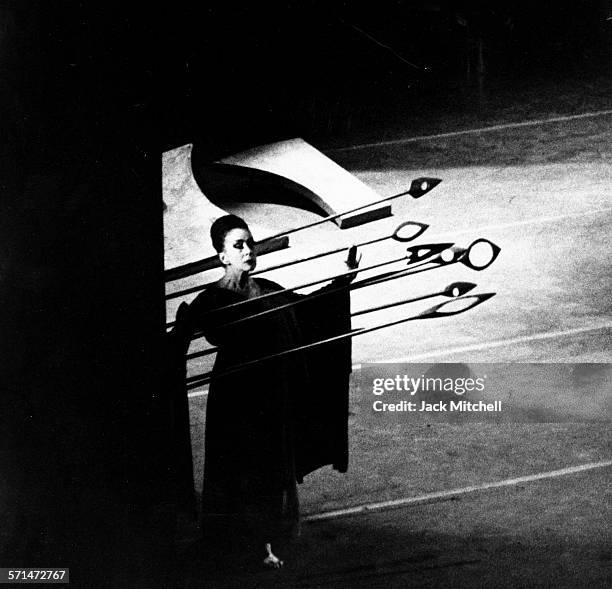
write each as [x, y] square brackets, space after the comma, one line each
[421, 186]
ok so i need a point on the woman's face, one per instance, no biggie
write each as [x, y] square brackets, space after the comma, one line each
[239, 250]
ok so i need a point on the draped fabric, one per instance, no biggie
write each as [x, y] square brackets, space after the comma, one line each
[321, 410]
[174, 409]
[269, 425]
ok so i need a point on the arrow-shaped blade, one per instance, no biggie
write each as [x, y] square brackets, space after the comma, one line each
[418, 253]
[421, 186]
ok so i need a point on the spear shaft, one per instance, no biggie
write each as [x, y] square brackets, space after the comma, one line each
[418, 188]
[430, 313]
[394, 235]
[361, 284]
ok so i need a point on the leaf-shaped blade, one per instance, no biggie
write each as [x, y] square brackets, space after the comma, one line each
[455, 306]
[409, 230]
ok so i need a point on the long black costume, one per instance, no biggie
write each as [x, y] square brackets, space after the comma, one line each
[269, 425]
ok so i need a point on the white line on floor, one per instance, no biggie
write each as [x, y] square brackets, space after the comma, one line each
[495, 344]
[470, 131]
[535, 221]
[360, 509]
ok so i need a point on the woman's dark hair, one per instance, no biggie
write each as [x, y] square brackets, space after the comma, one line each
[222, 226]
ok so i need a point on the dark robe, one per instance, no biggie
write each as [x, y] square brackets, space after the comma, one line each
[269, 425]
[174, 407]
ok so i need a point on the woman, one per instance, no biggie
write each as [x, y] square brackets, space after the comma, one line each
[254, 428]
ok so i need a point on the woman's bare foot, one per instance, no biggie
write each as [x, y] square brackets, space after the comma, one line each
[271, 561]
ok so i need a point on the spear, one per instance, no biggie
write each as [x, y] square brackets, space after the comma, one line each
[455, 289]
[412, 254]
[418, 188]
[437, 311]
[479, 255]
[404, 232]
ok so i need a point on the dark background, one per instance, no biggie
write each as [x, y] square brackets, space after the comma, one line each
[90, 95]
[312, 68]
